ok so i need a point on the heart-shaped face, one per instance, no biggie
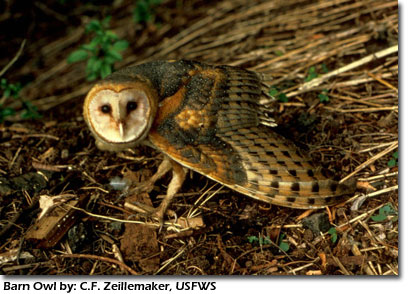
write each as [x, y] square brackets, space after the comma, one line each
[119, 115]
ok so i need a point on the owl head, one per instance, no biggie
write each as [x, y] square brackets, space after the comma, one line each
[120, 112]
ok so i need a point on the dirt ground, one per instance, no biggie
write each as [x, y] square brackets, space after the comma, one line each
[349, 48]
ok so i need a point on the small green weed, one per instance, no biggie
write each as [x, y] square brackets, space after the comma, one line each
[384, 212]
[144, 10]
[323, 97]
[278, 53]
[10, 90]
[278, 95]
[266, 241]
[259, 240]
[333, 234]
[324, 68]
[282, 244]
[395, 160]
[13, 91]
[312, 74]
[102, 52]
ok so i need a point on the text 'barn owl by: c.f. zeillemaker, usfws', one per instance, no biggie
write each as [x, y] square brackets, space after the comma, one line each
[210, 119]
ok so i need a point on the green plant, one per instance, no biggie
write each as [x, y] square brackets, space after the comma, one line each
[102, 52]
[394, 160]
[384, 212]
[323, 97]
[324, 68]
[312, 74]
[13, 91]
[278, 95]
[333, 234]
[282, 244]
[259, 240]
[30, 111]
[10, 90]
[278, 53]
[144, 10]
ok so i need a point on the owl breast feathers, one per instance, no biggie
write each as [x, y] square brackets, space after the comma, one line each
[210, 119]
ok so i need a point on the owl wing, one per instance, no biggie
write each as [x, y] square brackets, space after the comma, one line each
[215, 124]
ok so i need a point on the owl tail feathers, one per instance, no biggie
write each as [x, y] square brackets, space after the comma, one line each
[330, 192]
[304, 194]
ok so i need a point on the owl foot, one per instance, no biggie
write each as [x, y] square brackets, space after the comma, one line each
[148, 186]
[178, 177]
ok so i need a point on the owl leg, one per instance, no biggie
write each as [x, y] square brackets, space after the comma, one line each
[178, 177]
[163, 168]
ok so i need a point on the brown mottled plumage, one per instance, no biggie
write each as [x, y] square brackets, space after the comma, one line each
[210, 119]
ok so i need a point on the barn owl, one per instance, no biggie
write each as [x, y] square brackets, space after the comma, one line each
[210, 119]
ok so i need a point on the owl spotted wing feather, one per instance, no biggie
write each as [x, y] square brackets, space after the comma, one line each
[214, 123]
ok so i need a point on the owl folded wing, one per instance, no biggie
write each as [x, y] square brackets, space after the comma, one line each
[216, 123]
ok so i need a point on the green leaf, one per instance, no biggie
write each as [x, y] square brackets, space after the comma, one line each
[323, 97]
[282, 97]
[93, 68]
[3, 83]
[30, 111]
[379, 217]
[387, 209]
[120, 45]
[92, 76]
[105, 70]
[93, 26]
[110, 60]
[92, 46]
[284, 246]
[324, 68]
[7, 92]
[110, 36]
[94, 65]
[106, 21]
[142, 12]
[311, 74]
[265, 241]
[273, 91]
[77, 55]
[333, 234]
[392, 163]
[384, 211]
[253, 239]
[114, 54]
[278, 53]
[7, 111]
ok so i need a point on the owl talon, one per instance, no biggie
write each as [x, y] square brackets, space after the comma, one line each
[151, 212]
[178, 177]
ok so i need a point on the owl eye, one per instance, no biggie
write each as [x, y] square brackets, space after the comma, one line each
[131, 106]
[106, 108]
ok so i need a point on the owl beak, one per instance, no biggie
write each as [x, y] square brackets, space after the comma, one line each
[121, 129]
